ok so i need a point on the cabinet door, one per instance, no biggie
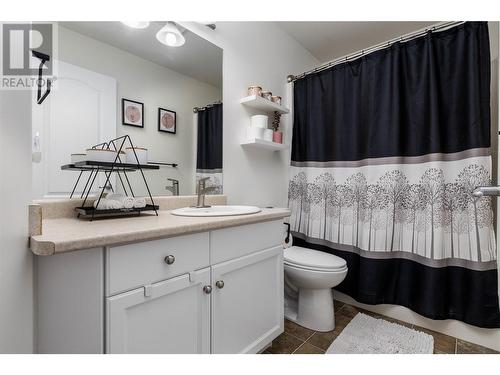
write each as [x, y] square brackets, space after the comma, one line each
[171, 316]
[247, 312]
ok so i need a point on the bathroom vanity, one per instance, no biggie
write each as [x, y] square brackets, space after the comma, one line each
[185, 285]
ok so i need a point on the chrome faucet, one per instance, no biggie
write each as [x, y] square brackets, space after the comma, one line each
[174, 189]
[201, 190]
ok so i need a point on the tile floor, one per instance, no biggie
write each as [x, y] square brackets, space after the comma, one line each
[300, 340]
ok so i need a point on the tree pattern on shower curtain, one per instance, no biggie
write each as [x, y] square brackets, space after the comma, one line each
[431, 216]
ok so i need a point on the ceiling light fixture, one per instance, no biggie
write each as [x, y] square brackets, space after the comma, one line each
[170, 35]
[136, 24]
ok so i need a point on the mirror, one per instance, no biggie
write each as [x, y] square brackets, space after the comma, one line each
[115, 80]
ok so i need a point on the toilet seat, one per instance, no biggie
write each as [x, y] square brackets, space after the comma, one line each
[314, 269]
[313, 260]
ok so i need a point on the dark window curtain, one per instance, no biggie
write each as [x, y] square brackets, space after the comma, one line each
[209, 150]
[386, 151]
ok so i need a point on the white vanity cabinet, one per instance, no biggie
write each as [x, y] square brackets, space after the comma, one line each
[212, 292]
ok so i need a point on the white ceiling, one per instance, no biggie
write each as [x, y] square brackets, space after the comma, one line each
[329, 40]
[197, 58]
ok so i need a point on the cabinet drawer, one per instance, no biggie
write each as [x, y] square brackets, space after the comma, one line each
[130, 266]
[231, 243]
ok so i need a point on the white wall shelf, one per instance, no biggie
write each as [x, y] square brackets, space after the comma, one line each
[263, 105]
[263, 144]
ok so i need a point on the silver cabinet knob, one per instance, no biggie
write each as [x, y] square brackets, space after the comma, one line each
[207, 289]
[169, 259]
[219, 284]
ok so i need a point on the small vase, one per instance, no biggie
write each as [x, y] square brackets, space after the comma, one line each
[278, 137]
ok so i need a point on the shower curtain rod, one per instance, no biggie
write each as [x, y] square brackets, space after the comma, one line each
[353, 56]
[198, 109]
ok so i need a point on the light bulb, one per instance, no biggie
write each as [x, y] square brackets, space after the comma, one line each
[170, 35]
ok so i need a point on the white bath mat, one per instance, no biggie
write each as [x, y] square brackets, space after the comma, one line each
[367, 335]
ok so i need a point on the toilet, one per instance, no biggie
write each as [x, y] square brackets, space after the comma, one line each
[310, 276]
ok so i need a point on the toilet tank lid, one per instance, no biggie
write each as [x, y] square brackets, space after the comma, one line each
[313, 258]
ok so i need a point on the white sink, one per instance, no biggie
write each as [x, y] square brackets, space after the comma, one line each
[216, 211]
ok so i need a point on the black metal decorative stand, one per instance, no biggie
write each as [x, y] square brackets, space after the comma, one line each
[118, 167]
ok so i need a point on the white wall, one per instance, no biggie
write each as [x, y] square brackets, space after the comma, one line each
[16, 260]
[254, 53]
[155, 86]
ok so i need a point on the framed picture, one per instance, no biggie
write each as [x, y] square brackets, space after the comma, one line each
[132, 113]
[167, 121]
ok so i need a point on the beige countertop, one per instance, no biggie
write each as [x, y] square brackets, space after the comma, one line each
[65, 234]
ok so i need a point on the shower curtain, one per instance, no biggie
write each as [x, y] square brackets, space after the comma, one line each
[209, 147]
[386, 152]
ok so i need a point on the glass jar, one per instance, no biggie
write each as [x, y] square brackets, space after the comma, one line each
[276, 99]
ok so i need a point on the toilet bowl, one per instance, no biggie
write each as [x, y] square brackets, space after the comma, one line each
[310, 276]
